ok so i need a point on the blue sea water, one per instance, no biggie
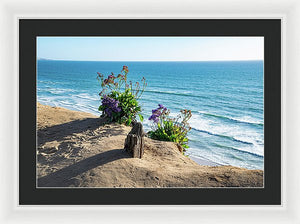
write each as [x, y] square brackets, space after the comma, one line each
[226, 100]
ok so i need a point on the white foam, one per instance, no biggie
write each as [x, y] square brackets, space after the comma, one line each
[88, 97]
[248, 119]
[245, 119]
[58, 91]
[198, 122]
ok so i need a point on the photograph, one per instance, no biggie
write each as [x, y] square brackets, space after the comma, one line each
[150, 111]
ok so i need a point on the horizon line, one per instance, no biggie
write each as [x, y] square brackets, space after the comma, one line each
[46, 59]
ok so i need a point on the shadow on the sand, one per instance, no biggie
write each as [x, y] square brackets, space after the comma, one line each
[64, 176]
[60, 131]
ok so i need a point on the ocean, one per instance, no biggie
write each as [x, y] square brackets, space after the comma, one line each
[226, 99]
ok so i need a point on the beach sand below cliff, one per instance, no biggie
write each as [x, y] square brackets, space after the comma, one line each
[77, 149]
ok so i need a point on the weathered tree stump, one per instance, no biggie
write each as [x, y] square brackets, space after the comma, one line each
[134, 143]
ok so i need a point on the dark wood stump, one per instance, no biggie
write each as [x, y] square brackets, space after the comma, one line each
[134, 143]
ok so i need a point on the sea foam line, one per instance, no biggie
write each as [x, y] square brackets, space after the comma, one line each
[238, 150]
[238, 120]
[223, 136]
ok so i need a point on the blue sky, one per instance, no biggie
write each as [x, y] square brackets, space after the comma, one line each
[150, 48]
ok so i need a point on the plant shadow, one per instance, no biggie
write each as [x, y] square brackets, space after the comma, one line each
[65, 176]
[60, 131]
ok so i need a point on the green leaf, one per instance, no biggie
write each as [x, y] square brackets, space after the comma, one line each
[141, 117]
[101, 108]
[129, 121]
[185, 146]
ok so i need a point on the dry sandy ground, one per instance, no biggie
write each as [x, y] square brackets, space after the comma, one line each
[77, 149]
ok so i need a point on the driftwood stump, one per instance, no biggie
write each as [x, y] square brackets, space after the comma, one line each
[134, 143]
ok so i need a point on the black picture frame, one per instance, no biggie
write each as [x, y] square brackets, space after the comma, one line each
[270, 29]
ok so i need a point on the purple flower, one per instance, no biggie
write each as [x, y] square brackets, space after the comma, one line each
[111, 105]
[156, 113]
[154, 118]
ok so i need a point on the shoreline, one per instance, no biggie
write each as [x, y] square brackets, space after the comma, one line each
[206, 158]
[200, 161]
[78, 149]
[204, 162]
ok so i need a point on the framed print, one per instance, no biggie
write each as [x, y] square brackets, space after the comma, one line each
[183, 111]
[12, 211]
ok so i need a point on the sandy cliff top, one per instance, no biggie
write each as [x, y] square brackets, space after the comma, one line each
[76, 149]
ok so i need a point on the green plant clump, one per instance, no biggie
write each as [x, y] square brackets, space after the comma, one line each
[120, 99]
[166, 128]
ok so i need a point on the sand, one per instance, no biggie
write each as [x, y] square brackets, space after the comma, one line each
[77, 149]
